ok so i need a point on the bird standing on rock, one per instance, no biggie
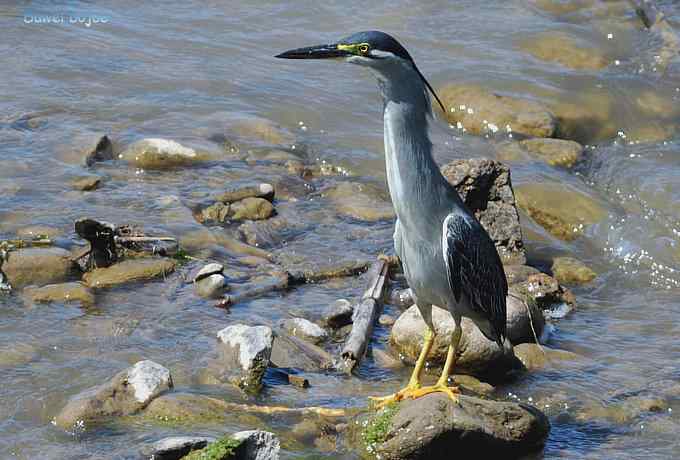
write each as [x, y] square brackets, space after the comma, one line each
[449, 259]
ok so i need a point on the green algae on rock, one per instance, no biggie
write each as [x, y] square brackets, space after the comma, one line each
[222, 449]
[568, 270]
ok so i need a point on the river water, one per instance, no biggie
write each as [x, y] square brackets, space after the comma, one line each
[186, 70]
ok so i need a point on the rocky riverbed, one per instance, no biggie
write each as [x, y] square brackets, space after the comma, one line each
[190, 234]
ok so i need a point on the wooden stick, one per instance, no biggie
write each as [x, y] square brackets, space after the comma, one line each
[365, 315]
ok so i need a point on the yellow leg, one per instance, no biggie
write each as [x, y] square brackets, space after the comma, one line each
[414, 381]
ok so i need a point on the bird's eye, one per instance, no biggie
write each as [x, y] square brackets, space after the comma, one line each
[363, 49]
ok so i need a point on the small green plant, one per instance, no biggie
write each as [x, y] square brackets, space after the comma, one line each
[222, 449]
[181, 255]
[375, 429]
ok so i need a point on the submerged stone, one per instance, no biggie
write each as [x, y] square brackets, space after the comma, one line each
[361, 201]
[128, 271]
[565, 50]
[38, 266]
[555, 152]
[64, 292]
[154, 153]
[563, 212]
[304, 329]
[568, 270]
[481, 111]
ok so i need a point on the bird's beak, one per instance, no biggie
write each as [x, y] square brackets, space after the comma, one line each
[315, 52]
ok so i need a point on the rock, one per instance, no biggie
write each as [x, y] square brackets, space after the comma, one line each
[226, 448]
[304, 329]
[211, 287]
[401, 298]
[258, 445]
[129, 271]
[156, 153]
[217, 213]
[185, 409]
[207, 270]
[127, 393]
[519, 325]
[586, 118]
[429, 428]
[486, 188]
[361, 201]
[274, 155]
[473, 384]
[654, 104]
[535, 356]
[252, 209]
[385, 360]
[101, 151]
[481, 111]
[563, 212]
[176, 447]
[271, 232]
[38, 266]
[555, 152]
[568, 270]
[39, 232]
[64, 292]
[86, 183]
[518, 273]
[261, 129]
[386, 320]
[544, 291]
[246, 352]
[293, 353]
[265, 191]
[338, 314]
[565, 50]
[477, 355]
[651, 134]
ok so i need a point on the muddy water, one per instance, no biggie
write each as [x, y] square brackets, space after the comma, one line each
[187, 70]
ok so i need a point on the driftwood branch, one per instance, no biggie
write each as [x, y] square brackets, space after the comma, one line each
[365, 315]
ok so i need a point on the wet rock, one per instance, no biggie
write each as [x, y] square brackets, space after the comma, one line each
[294, 187]
[477, 355]
[385, 360]
[86, 183]
[129, 271]
[361, 201]
[587, 119]
[276, 156]
[271, 232]
[156, 153]
[210, 281]
[386, 320]
[217, 213]
[127, 393]
[568, 270]
[555, 152]
[176, 447]
[653, 103]
[261, 129]
[338, 314]
[473, 384]
[486, 188]
[535, 357]
[304, 329]
[38, 266]
[544, 291]
[522, 315]
[565, 50]
[15, 354]
[252, 209]
[212, 286]
[185, 409]
[323, 436]
[258, 445]
[651, 134]
[428, 427]
[101, 151]
[481, 111]
[64, 292]
[265, 191]
[401, 298]
[39, 232]
[293, 353]
[563, 212]
[518, 273]
[246, 352]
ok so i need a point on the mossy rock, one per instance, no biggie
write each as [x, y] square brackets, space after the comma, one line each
[222, 449]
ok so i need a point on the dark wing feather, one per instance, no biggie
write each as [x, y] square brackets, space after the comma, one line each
[475, 269]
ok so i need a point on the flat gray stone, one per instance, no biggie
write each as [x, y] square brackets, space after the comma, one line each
[176, 447]
[258, 445]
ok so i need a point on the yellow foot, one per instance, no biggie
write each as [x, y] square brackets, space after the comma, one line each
[414, 392]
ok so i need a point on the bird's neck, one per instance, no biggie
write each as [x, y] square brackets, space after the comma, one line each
[417, 187]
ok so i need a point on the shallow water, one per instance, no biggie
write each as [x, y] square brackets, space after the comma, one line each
[186, 70]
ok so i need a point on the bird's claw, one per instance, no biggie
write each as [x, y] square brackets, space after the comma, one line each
[415, 392]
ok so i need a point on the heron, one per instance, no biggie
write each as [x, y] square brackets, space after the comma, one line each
[448, 258]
